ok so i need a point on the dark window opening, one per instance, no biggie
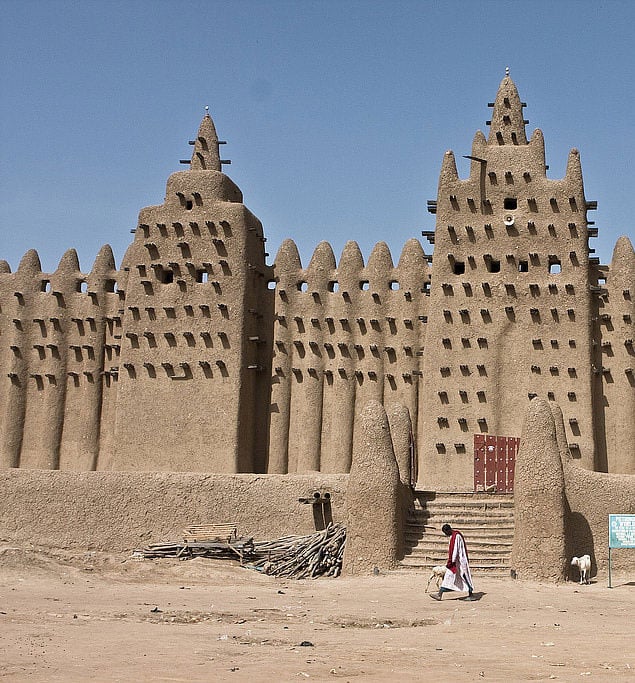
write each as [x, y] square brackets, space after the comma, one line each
[165, 276]
[493, 266]
[458, 267]
[523, 266]
[510, 203]
[189, 204]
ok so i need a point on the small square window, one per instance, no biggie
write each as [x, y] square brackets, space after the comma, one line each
[510, 203]
[165, 275]
[494, 266]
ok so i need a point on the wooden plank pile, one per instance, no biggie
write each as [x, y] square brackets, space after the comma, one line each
[295, 557]
[240, 549]
[209, 532]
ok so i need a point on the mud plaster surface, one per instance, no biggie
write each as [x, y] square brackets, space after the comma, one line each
[98, 617]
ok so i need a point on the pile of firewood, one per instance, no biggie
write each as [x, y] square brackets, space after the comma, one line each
[301, 557]
[296, 557]
[238, 549]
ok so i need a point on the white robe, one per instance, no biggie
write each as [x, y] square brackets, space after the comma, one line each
[463, 576]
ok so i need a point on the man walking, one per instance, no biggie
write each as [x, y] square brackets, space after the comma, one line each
[457, 574]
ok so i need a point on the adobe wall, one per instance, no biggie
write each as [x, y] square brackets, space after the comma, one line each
[57, 333]
[562, 509]
[120, 511]
[613, 366]
[344, 334]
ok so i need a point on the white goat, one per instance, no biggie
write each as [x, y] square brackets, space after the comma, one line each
[438, 572]
[584, 565]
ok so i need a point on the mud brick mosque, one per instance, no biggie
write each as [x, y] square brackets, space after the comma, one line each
[196, 356]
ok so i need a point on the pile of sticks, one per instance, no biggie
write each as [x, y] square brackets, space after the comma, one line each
[240, 549]
[295, 557]
[302, 557]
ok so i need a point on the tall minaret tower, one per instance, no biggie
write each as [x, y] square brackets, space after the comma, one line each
[510, 303]
[191, 383]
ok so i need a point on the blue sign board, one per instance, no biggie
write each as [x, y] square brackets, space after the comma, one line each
[621, 531]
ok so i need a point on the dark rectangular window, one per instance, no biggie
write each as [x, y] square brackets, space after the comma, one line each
[493, 266]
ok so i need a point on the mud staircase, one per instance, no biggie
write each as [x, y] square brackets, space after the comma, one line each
[486, 520]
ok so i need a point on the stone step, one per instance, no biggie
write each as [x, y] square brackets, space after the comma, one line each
[415, 535]
[464, 523]
[476, 565]
[465, 504]
[470, 534]
[472, 547]
[462, 509]
[473, 521]
[427, 559]
[486, 520]
[468, 498]
[473, 530]
[460, 503]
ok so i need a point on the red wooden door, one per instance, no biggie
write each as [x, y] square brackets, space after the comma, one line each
[494, 461]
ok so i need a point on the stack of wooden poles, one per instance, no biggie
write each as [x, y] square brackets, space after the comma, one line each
[301, 557]
[296, 557]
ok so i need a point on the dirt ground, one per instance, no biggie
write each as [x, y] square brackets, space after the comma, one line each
[98, 617]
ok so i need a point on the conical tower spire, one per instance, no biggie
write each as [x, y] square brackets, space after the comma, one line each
[507, 126]
[205, 156]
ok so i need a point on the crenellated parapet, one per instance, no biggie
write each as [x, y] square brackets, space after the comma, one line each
[344, 334]
[52, 361]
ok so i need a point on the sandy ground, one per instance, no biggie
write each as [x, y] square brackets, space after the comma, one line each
[95, 617]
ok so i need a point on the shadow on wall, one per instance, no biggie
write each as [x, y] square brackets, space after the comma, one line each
[579, 541]
[322, 515]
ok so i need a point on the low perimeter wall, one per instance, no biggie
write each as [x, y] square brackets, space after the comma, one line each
[120, 511]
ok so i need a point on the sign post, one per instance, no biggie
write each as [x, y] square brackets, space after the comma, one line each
[621, 534]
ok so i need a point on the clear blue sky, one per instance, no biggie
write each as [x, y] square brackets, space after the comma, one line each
[337, 113]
